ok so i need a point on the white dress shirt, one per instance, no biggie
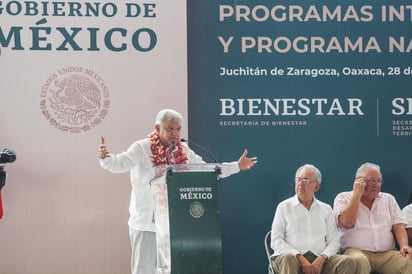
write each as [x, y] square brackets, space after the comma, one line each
[407, 213]
[373, 227]
[297, 230]
[137, 160]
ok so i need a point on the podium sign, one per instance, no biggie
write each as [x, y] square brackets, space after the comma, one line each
[192, 243]
[194, 217]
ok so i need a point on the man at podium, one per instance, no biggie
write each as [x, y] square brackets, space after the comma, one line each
[161, 147]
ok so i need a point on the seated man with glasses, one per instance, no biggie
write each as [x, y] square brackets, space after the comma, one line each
[304, 235]
[369, 221]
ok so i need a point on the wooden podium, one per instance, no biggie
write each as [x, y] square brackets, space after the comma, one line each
[187, 218]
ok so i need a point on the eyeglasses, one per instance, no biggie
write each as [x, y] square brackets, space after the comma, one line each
[373, 181]
[303, 180]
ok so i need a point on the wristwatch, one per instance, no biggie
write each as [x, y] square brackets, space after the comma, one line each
[324, 256]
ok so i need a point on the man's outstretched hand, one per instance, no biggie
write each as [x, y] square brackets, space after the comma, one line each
[246, 163]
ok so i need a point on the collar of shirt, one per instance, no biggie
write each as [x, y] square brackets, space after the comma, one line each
[297, 203]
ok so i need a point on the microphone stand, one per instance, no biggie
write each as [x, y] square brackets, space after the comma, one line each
[169, 168]
[218, 170]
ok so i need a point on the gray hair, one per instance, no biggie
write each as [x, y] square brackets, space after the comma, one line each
[168, 115]
[366, 166]
[314, 169]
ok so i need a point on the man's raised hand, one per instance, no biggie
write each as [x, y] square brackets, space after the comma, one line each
[103, 153]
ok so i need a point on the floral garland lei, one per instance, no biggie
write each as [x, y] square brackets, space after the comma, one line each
[159, 152]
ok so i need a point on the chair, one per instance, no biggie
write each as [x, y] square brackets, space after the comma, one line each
[269, 251]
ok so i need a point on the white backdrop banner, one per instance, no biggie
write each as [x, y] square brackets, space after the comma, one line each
[70, 72]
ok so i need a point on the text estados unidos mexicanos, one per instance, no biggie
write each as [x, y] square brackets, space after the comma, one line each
[304, 106]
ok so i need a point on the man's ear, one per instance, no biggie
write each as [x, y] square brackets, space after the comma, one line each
[317, 187]
[157, 128]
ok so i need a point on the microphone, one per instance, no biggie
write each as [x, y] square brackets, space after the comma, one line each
[7, 156]
[201, 148]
